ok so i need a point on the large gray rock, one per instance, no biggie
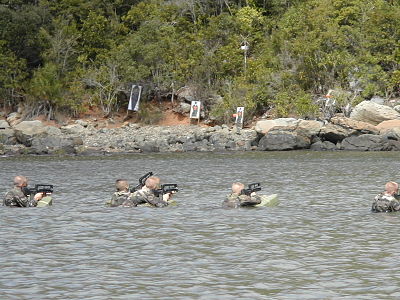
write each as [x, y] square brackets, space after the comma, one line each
[76, 129]
[7, 136]
[335, 133]
[392, 134]
[373, 113]
[186, 94]
[4, 124]
[323, 146]
[367, 142]
[263, 126]
[150, 146]
[54, 144]
[26, 130]
[14, 149]
[182, 108]
[283, 138]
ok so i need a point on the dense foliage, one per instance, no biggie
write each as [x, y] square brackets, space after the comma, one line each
[64, 55]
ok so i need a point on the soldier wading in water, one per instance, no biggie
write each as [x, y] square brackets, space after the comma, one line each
[387, 201]
[238, 199]
[19, 196]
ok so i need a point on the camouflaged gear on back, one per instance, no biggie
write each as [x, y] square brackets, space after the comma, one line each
[146, 195]
[16, 198]
[118, 198]
[234, 200]
[385, 203]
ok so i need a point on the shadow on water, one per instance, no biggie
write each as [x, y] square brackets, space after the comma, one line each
[321, 242]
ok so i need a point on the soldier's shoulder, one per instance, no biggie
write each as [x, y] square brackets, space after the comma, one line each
[382, 197]
[14, 192]
[231, 196]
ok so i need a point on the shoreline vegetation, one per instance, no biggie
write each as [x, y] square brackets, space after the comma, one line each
[310, 74]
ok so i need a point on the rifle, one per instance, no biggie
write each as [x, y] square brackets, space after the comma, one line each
[142, 181]
[39, 188]
[253, 187]
[166, 188]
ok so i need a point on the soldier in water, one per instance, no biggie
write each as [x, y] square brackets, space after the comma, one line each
[387, 201]
[19, 197]
[237, 198]
[147, 194]
[121, 194]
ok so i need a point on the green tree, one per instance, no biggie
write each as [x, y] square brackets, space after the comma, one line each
[12, 74]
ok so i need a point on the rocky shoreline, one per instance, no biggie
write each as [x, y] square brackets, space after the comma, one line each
[371, 127]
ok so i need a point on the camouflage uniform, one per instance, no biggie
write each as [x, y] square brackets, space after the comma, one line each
[143, 196]
[234, 200]
[16, 198]
[385, 203]
[118, 198]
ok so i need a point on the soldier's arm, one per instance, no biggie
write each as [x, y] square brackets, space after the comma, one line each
[22, 201]
[112, 201]
[156, 201]
[395, 205]
[249, 200]
[8, 199]
[137, 198]
[32, 202]
[231, 201]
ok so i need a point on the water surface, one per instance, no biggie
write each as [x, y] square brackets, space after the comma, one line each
[321, 242]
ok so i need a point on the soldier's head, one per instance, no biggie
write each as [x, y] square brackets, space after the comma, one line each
[20, 181]
[237, 187]
[121, 185]
[391, 187]
[152, 183]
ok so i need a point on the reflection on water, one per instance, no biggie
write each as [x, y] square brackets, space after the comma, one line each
[321, 242]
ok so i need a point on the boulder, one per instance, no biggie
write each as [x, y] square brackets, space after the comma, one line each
[13, 119]
[150, 146]
[309, 128]
[283, 138]
[335, 133]
[263, 126]
[53, 144]
[14, 149]
[7, 136]
[51, 130]
[362, 127]
[323, 146]
[4, 124]
[182, 108]
[27, 130]
[365, 142]
[74, 129]
[392, 134]
[186, 94]
[373, 113]
[386, 126]
[397, 108]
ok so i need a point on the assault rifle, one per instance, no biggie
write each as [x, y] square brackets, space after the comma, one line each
[166, 188]
[39, 188]
[253, 187]
[142, 181]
